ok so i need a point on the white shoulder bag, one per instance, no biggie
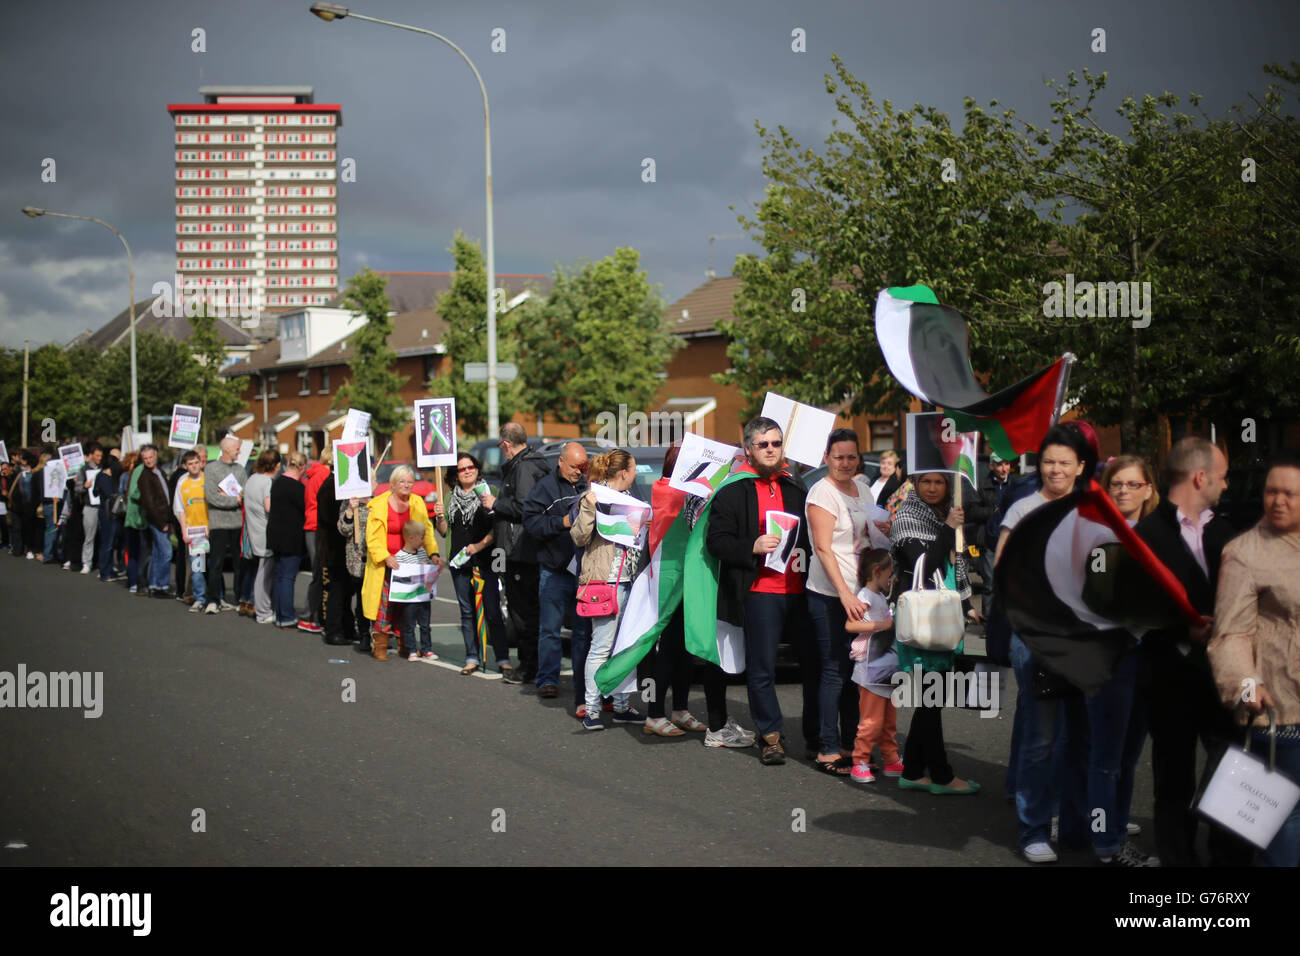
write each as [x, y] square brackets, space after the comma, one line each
[929, 620]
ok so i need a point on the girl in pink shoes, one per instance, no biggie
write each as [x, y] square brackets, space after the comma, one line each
[875, 661]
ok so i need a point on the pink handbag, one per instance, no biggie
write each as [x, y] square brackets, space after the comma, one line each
[599, 599]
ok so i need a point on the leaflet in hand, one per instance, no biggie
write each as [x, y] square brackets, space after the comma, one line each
[786, 527]
[199, 542]
[461, 559]
[482, 489]
[877, 538]
[229, 485]
[620, 518]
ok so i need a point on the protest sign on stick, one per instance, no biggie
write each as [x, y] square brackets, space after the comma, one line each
[351, 469]
[435, 432]
[184, 432]
[72, 458]
[56, 476]
[357, 426]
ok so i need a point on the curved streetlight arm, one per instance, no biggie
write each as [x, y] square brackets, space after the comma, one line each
[493, 414]
[35, 212]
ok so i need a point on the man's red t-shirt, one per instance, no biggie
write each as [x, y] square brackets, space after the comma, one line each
[770, 499]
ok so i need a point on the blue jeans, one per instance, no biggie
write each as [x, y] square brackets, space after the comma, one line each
[108, 532]
[1116, 732]
[557, 595]
[412, 620]
[160, 562]
[51, 532]
[198, 579]
[603, 632]
[463, 580]
[837, 695]
[286, 572]
[766, 618]
[1285, 848]
[1052, 730]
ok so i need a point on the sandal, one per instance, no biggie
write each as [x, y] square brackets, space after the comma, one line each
[468, 669]
[688, 722]
[662, 727]
[840, 767]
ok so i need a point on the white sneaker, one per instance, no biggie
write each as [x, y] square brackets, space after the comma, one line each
[747, 734]
[1039, 853]
[413, 656]
[211, 609]
[30, 555]
[266, 620]
[85, 569]
[67, 565]
[1133, 829]
[728, 736]
[196, 608]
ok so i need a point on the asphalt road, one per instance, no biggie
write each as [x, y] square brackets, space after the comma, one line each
[248, 724]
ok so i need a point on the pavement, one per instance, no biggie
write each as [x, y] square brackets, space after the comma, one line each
[225, 742]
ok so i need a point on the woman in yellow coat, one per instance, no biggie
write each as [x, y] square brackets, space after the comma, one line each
[388, 512]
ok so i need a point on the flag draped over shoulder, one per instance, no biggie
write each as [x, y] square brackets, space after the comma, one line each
[1077, 581]
[707, 636]
[927, 348]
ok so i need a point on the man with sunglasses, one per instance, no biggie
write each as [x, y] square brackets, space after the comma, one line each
[765, 603]
[547, 518]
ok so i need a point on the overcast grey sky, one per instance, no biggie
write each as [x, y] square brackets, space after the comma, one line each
[583, 92]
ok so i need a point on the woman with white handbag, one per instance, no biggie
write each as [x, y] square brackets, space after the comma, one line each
[929, 623]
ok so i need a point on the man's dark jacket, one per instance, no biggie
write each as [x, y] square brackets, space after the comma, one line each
[544, 512]
[518, 476]
[733, 529]
[155, 502]
[1162, 533]
[331, 546]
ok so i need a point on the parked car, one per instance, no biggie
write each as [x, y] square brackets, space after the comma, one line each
[649, 462]
[426, 481]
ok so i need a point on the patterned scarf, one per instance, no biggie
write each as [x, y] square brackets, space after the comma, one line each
[921, 522]
[462, 506]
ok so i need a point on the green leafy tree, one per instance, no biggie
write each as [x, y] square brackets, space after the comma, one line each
[464, 308]
[218, 396]
[599, 341]
[374, 386]
[166, 373]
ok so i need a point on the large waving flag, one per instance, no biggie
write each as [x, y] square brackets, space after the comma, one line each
[927, 349]
[656, 592]
[1076, 581]
[708, 636]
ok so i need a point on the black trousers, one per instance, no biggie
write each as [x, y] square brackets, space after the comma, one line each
[224, 541]
[1183, 708]
[924, 753]
[338, 590]
[521, 582]
[670, 667]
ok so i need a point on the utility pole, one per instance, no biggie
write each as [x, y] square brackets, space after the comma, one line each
[27, 348]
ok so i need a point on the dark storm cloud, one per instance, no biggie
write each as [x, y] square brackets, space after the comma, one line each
[582, 94]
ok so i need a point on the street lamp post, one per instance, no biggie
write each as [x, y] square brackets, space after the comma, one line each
[34, 212]
[334, 11]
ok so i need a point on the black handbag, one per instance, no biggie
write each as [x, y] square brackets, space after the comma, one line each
[117, 506]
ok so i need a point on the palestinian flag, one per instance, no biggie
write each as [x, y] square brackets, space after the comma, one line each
[708, 636]
[351, 461]
[1077, 583]
[656, 592]
[927, 348]
[620, 527]
[412, 583]
[933, 445]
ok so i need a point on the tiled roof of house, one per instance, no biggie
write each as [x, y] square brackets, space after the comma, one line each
[698, 312]
[178, 328]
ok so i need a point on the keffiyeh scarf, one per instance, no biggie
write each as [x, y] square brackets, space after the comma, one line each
[920, 522]
[462, 506]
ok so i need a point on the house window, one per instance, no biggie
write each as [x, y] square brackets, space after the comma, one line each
[430, 367]
[271, 382]
[304, 382]
[304, 441]
[324, 381]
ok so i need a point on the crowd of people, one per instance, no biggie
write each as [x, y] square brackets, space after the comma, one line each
[1073, 760]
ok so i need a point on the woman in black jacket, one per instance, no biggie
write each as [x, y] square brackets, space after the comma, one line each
[285, 536]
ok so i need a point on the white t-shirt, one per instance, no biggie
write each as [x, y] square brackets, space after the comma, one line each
[877, 610]
[849, 535]
[878, 486]
[1024, 506]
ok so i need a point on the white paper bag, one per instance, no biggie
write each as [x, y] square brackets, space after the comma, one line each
[1247, 798]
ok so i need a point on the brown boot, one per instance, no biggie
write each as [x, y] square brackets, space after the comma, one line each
[772, 752]
[379, 646]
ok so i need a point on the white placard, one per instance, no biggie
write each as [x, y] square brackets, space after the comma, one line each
[413, 583]
[229, 485]
[199, 542]
[785, 526]
[623, 520]
[435, 432]
[56, 477]
[89, 477]
[72, 457]
[184, 430]
[245, 451]
[1247, 798]
[804, 428]
[357, 427]
[702, 464]
[352, 467]
[4, 452]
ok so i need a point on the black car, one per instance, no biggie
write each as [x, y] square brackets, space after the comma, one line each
[488, 451]
[649, 462]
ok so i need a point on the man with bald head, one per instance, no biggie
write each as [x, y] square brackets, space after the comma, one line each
[225, 518]
[547, 519]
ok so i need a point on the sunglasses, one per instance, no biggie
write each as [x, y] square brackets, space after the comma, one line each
[768, 444]
[466, 468]
[1127, 485]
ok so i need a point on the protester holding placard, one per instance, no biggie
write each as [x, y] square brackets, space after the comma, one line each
[838, 508]
[469, 527]
[316, 474]
[156, 507]
[225, 519]
[411, 610]
[257, 506]
[110, 525]
[285, 536]
[189, 504]
[609, 566]
[90, 504]
[389, 512]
